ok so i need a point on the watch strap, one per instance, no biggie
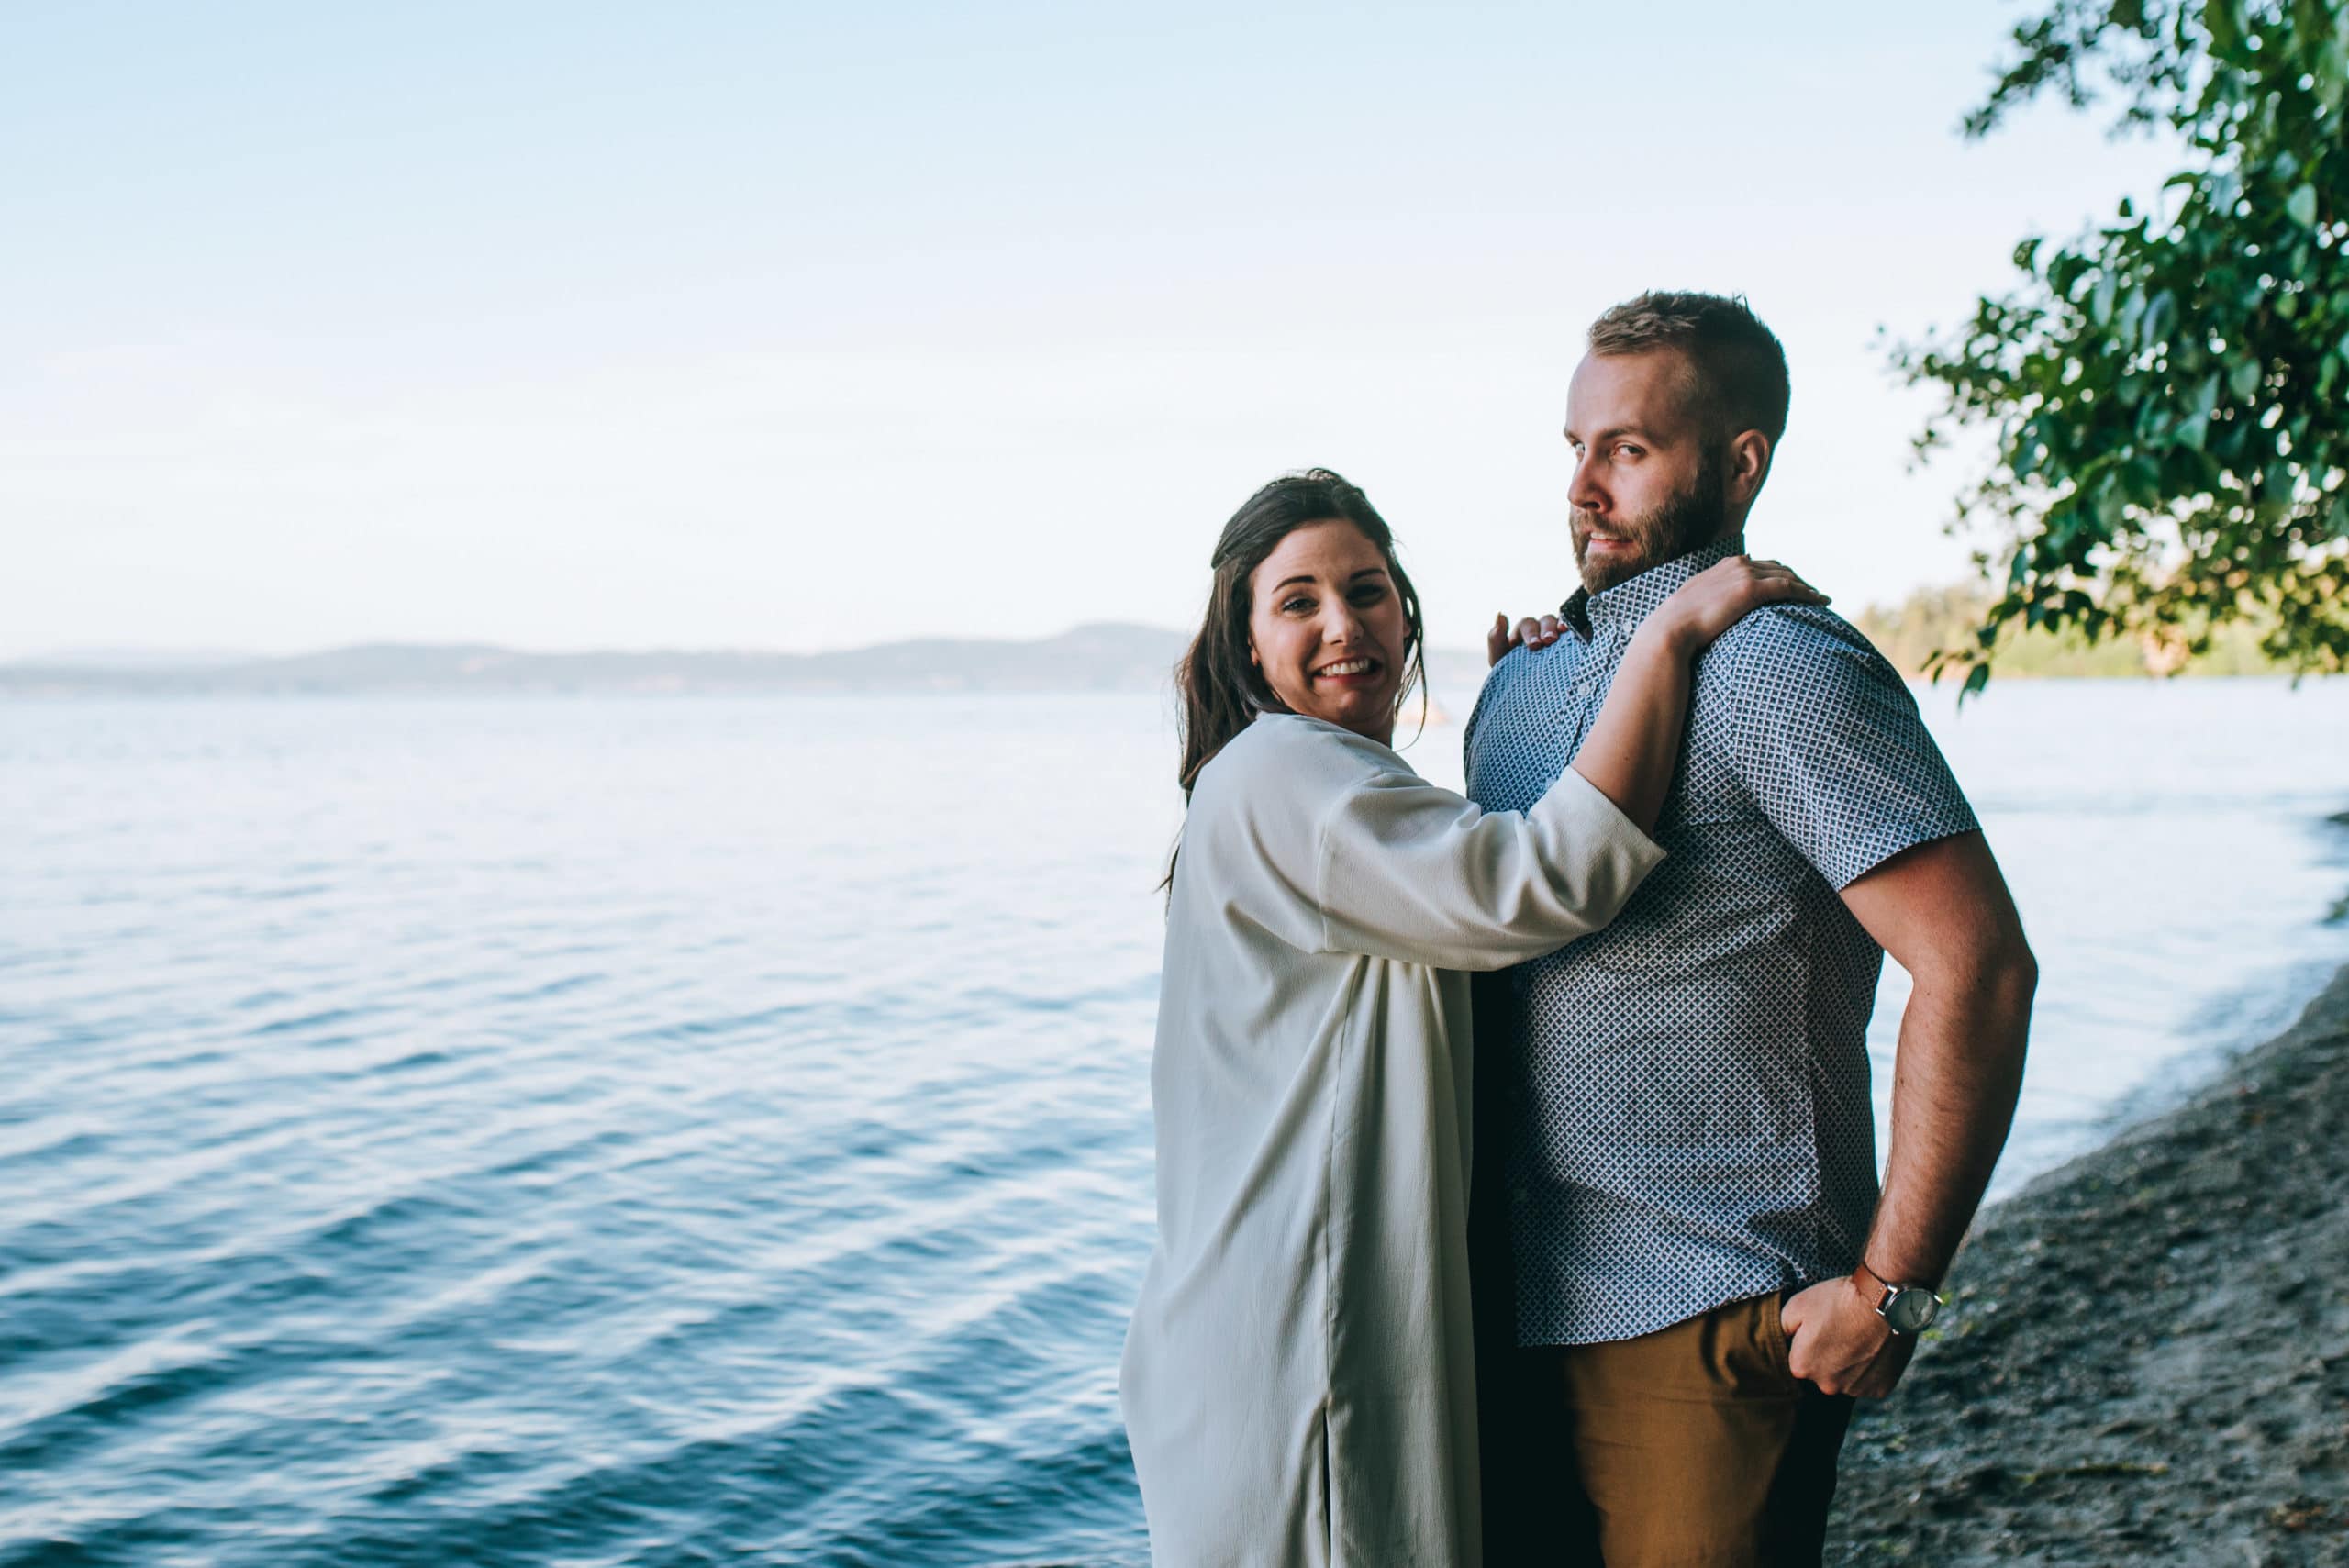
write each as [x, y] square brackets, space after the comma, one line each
[1877, 1291]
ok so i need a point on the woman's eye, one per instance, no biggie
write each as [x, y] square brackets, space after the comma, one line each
[1296, 605]
[1369, 596]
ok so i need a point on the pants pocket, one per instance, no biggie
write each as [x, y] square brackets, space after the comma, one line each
[1775, 1341]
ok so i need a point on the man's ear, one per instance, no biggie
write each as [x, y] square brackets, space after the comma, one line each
[1749, 465]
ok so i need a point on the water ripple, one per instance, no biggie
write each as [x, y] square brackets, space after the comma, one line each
[609, 1132]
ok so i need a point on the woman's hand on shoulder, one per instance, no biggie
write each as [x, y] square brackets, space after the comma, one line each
[1531, 633]
[1722, 595]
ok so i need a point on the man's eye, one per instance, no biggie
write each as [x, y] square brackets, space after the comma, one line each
[1625, 448]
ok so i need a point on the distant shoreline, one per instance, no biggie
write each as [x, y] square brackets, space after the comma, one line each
[1108, 657]
[2146, 1352]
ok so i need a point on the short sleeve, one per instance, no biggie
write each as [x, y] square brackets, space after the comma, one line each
[1828, 742]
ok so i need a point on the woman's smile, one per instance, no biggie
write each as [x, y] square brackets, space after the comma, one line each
[1323, 625]
[1349, 671]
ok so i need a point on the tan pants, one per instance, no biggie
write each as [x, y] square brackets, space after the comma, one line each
[1692, 1447]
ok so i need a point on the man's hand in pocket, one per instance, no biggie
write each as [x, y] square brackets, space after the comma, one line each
[1835, 1340]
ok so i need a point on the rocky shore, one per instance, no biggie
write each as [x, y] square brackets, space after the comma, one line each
[2146, 1357]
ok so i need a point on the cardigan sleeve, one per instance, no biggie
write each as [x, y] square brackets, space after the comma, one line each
[1410, 870]
[1329, 841]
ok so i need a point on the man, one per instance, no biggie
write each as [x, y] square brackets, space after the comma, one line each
[1675, 1148]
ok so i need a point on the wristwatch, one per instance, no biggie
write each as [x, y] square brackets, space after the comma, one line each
[1908, 1308]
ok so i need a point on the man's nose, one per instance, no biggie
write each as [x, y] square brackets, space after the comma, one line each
[1584, 491]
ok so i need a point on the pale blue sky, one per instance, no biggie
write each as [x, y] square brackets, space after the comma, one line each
[789, 327]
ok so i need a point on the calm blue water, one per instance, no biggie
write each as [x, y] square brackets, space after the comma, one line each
[681, 1131]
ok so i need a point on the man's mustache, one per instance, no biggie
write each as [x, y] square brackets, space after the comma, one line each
[1585, 523]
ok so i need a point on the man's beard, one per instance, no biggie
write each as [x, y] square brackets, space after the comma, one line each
[1690, 520]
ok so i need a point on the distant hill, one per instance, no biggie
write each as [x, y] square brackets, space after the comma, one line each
[1105, 657]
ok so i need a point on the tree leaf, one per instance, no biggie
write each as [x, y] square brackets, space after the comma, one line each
[2132, 311]
[2243, 380]
[2224, 23]
[2275, 485]
[2302, 206]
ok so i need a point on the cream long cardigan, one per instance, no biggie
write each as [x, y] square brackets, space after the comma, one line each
[1299, 1379]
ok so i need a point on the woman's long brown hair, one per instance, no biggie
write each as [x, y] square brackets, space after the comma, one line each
[1219, 684]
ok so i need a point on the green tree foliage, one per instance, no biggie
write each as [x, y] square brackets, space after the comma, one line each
[2166, 390]
[1916, 632]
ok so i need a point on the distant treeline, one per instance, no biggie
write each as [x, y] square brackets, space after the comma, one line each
[1933, 618]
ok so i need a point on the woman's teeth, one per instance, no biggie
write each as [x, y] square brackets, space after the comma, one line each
[1349, 667]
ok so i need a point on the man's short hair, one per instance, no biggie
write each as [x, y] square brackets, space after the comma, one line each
[1740, 370]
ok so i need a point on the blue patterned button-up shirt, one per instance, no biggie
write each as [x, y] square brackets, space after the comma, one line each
[1688, 1121]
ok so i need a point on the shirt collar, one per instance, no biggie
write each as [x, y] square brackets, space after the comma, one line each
[1630, 601]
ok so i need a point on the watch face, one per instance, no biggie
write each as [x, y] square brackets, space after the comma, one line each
[1910, 1310]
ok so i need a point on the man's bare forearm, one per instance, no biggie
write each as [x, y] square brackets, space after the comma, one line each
[1942, 910]
[1954, 1088]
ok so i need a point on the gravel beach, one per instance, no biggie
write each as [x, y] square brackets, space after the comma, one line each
[2146, 1357]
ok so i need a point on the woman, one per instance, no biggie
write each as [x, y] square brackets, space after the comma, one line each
[1298, 1376]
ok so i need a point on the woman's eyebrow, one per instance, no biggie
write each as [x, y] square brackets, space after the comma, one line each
[1309, 577]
